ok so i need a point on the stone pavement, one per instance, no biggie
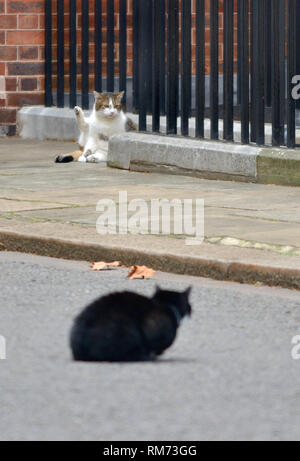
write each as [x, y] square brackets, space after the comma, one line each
[252, 231]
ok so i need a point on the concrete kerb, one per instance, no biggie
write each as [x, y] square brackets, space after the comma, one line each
[205, 159]
[208, 159]
[166, 262]
[173, 155]
[39, 122]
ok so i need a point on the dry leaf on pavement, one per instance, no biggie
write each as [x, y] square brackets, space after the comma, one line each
[141, 272]
[102, 265]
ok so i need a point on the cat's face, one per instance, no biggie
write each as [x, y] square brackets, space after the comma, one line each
[108, 105]
[178, 300]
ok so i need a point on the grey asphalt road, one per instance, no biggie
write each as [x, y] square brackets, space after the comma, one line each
[229, 376]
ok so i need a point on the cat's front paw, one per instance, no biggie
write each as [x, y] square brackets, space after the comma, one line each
[82, 159]
[87, 153]
[91, 159]
[96, 158]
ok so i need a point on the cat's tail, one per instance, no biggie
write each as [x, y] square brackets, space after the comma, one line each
[68, 158]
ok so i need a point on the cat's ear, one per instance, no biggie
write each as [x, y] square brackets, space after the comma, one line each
[157, 289]
[187, 292]
[120, 96]
[97, 95]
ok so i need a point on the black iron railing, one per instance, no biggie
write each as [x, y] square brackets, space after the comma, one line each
[184, 63]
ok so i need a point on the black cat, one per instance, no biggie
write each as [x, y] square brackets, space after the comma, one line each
[127, 327]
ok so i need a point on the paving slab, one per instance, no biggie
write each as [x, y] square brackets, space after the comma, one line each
[47, 208]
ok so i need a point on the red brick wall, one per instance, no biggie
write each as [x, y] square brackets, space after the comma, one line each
[21, 58]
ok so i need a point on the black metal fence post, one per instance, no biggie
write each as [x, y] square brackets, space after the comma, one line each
[163, 57]
[135, 52]
[123, 48]
[244, 70]
[186, 72]
[156, 64]
[297, 38]
[277, 131]
[200, 67]
[228, 70]
[173, 66]
[85, 55]
[214, 69]
[73, 55]
[283, 67]
[291, 63]
[145, 45]
[268, 4]
[98, 45]
[258, 73]
[60, 54]
[110, 40]
[239, 49]
[252, 71]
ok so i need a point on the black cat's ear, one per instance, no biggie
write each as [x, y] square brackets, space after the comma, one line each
[188, 292]
[157, 289]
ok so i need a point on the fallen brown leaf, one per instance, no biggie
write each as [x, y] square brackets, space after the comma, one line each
[141, 272]
[101, 266]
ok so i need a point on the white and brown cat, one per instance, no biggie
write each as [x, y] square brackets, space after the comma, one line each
[106, 120]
